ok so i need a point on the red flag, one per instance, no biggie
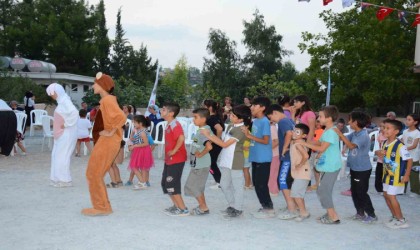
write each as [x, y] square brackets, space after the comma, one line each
[326, 2]
[416, 21]
[383, 12]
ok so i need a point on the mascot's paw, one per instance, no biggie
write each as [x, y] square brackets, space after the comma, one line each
[95, 212]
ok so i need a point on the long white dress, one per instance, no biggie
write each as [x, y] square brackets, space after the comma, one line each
[64, 139]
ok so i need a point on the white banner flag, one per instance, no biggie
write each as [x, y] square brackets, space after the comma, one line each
[152, 100]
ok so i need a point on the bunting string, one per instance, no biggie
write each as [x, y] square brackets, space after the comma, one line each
[382, 12]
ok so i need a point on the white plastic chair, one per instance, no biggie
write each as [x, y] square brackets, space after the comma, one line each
[37, 114]
[46, 128]
[21, 121]
[192, 130]
[161, 126]
[126, 136]
[373, 159]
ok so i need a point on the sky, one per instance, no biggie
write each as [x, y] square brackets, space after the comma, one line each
[172, 28]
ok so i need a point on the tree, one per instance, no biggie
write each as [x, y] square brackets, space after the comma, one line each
[178, 82]
[14, 88]
[121, 48]
[272, 86]
[139, 67]
[265, 54]
[221, 72]
[7, 13]
[371, 61]
[101, 40]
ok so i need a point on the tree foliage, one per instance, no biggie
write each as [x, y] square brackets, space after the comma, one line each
[371, 61]
[100, 38]
[221, 71]
[14, 88]
[177, 81]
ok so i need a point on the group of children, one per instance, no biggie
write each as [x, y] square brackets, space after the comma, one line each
[295, 170]
[250, 129]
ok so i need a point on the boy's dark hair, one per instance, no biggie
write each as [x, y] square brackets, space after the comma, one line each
[330, 111]
[341, 120]
[262, 101]
[274, 107]
[283, 99]
[361, 118]
[243, 112]
[172, 107]
[303, 127]
[142, 120]
[202, 112]
[82, 113]
[395, 123]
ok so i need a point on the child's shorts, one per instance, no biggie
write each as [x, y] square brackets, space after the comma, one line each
[393, 190]
[196, 182]
[87, 139]
[299, 187]
[247, 163]
[171, 178]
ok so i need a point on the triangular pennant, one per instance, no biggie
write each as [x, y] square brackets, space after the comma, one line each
[348, 3]
[401, 16]
[383, 12]
[326, 2]
[416, 21]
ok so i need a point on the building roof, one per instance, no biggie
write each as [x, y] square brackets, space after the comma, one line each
[55, 76]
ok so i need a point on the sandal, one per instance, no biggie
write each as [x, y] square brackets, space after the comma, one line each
[322, 217]
[112, 185]
[328, 220]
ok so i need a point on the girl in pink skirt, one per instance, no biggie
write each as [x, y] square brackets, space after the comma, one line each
[141, 156]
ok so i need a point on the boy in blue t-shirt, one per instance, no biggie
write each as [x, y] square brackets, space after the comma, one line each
[358, 160]
[285, 180]
[260, 155]
[329, 162]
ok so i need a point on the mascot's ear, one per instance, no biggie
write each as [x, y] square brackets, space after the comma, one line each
[98, 75]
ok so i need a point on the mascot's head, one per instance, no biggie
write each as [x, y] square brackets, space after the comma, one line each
[105, 81]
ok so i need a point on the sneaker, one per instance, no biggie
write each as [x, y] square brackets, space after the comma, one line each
[227, 210]
[198, 211]
[148, 183]
[346, 193]
[140, 185]
[370, 219]
[233, 214]
[215, 186]
[170, 209]
[23, 153]
[179, 212]
[250, 187]
[390, 220]
[288, 215]
[398, 224]
[273, 194]
[301, 218]
[128, 183]
[112, 185]
[263, 213]
[358, 217]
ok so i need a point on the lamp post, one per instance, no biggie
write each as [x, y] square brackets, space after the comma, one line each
[417, 49]
[327, 102]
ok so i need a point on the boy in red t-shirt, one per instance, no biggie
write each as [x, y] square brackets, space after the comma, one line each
[175, 158]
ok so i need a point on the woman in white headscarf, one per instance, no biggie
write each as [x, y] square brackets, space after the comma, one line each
[65, 136]
[8, 124]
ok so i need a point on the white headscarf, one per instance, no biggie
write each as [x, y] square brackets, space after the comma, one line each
[65, 107]
[4, 106]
